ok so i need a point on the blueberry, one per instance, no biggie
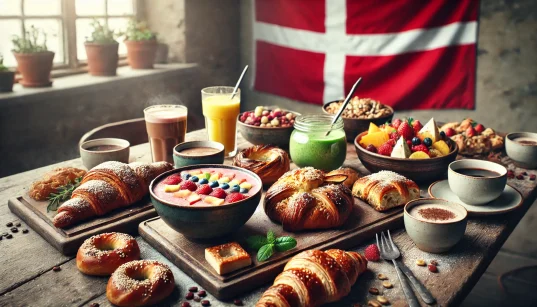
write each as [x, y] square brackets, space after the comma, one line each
[213, 184]
[415, 141]
[224, 186]
[235, 188]
[442, 134]
[243, 190]
[185, 175]
[194, 178]
[204, 181]
[427, 142]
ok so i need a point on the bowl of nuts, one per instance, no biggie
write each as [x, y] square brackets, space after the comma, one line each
[267, 125]
[359, 113]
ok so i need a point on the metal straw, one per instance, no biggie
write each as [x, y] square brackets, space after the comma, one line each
[238, 82]
[338, 114]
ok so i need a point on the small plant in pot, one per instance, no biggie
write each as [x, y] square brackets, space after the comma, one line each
[101, 49]
[34, 60]
[7, 77]
[141, 45]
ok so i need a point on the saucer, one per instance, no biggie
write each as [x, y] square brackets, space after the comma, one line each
[508, 201]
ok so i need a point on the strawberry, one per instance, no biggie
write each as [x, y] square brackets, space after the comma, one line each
[470, 132]
[396, 123]
[204, 189]
[219, 193]
[405, 131]
[391, 142]
[416, 125]
[450, 132]
[173, 179]
[189, 185]
[394, 136]
[385, 149]
[420, 147]
[235, 197]
[479, 128]
[372, 253]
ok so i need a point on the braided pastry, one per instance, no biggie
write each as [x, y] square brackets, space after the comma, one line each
[313, 278]
[385, 190]
[267, 161]
[305, 199]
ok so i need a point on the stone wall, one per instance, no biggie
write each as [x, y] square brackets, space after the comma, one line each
[506, 69]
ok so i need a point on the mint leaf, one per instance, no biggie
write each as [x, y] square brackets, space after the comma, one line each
[271, 237]
[256, 242]
[265, 252]
[283, 244]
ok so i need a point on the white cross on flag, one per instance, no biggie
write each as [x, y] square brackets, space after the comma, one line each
[412, 54]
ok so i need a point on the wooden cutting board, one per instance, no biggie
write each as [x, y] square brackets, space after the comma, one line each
[67, 240]
[189, 256]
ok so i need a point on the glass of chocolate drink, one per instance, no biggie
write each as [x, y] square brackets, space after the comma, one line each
[166, 127]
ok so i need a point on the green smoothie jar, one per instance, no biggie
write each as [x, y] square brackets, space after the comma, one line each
[309, 145]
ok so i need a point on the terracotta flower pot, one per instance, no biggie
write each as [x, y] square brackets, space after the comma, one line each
[35, 68]
[102, 59]
[7, 78]
[141, 54]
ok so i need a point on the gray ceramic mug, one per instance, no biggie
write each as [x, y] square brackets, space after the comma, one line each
[181, 158]
[97, 151]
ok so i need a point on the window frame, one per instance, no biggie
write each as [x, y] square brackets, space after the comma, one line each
[71, 64]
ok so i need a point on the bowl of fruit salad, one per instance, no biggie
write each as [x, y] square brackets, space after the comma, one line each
[206, 200]
[267, 125]
[420, 153]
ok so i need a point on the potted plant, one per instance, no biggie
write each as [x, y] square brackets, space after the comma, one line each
[34, 60]
[141, 45]
[7, 77]
[101, 49]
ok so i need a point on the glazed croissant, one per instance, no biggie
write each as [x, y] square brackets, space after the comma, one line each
[106, 187]
[305, 199]
[313, 278]
[385, 190]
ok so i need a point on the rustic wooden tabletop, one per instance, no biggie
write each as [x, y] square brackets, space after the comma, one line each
[27, 259]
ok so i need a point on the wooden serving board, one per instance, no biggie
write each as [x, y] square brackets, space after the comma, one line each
[189, 255]
[67, 240]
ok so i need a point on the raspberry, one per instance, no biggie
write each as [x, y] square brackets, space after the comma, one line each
[204, 189]
[511, 174]
[372, 253]
[394, 136]
[235, 197]
[173, 179]
[385, 149]
[406, 131]
[396, 123]
[219, 193]
[409, 143]
[520, 177]
[391, 142]
[420, 147]
[371, 148]
[189, 185]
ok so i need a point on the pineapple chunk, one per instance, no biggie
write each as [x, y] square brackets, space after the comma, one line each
[246, 185]
[215, 176]
[401, 150]
[213, 200]
[376, 139]
[224, 179]
[430, 130]
[419, 155]
[442, 147]
[193, 198]
[169, 188]
[182, 193]
[236, 181]
[195, 172]
[373, 128]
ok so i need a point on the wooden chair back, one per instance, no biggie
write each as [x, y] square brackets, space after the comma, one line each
[132, 130]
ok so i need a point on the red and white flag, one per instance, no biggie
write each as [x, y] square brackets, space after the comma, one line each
[412, 54]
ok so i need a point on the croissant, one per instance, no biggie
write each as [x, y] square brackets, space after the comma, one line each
[305, 199]
[385, 190]
[108, 186]
[313, 278]
[267, 161]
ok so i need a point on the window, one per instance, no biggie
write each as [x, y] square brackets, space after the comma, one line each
[66, 23]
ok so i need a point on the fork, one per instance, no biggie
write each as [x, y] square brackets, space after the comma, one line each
[389, 251]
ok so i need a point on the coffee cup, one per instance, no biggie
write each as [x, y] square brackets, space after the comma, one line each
[435, 225]
[521, 147]
[476, 182]
[198, 152]
[95, 152]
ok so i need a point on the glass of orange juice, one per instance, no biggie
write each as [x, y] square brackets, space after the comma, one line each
[221, 114]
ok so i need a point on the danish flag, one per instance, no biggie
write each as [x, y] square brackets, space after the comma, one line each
[412, 54]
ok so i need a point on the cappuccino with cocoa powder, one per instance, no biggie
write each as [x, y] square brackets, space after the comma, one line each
[435, 213]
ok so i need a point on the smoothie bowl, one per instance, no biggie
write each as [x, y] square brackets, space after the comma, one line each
[207, 200]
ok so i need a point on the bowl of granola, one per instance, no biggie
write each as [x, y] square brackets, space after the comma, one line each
[359, 113]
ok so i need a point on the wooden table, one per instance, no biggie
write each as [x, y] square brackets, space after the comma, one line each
[27, 259]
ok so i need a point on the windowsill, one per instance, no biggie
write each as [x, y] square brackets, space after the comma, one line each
[81, 81]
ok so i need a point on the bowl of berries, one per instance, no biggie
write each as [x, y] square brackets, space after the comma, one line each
[421, 153]
[267, 125]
